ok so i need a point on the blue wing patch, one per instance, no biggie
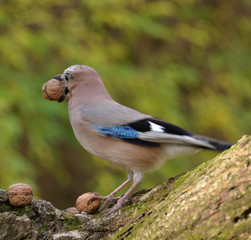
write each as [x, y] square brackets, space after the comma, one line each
[121, 132]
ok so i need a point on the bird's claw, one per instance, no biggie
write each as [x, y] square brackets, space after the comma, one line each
[97, 197]
[109, 199]
[106, 199]
[116, 207]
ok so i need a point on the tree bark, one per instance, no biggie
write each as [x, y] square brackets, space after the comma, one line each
[213, 201]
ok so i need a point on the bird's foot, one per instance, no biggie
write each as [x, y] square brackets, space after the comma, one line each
[106, 199]
[116, 207]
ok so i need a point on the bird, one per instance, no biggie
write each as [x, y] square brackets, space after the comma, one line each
[132, 140]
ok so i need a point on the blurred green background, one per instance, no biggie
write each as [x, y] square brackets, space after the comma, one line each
[185, 61]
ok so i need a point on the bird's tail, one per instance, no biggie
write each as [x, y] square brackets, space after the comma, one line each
[216, 145]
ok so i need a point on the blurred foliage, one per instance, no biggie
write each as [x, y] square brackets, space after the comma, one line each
[187, 62]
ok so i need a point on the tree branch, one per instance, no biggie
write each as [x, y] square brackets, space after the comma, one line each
[213, 201]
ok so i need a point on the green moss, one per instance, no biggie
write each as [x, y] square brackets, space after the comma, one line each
[4, 208]
[20, 211]
[191, 236]
[180, 181]
[71, 222]
[236, 230]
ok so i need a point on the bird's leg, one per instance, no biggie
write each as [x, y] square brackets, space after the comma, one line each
[111, 197]
[121, 200]
[137, 178]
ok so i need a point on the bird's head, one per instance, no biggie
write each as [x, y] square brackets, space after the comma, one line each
[77, 76]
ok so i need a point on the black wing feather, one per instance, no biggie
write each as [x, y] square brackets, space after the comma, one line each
[144, 126]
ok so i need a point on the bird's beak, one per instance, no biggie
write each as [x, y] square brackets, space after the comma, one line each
[58, 77]
[62, 98]
[66, 91]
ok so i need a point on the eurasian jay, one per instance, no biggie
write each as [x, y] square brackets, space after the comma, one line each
[123, 136]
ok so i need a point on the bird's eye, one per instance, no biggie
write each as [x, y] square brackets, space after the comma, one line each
[68, 77]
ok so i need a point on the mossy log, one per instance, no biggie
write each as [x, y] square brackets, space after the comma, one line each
[213, 201]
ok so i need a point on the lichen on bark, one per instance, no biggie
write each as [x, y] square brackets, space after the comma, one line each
[213, 201]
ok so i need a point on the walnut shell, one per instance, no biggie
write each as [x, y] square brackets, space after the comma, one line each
[82, 203]
[20, 194]
[53, 90]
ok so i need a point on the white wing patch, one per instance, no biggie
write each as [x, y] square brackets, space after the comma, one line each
[155, 127]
